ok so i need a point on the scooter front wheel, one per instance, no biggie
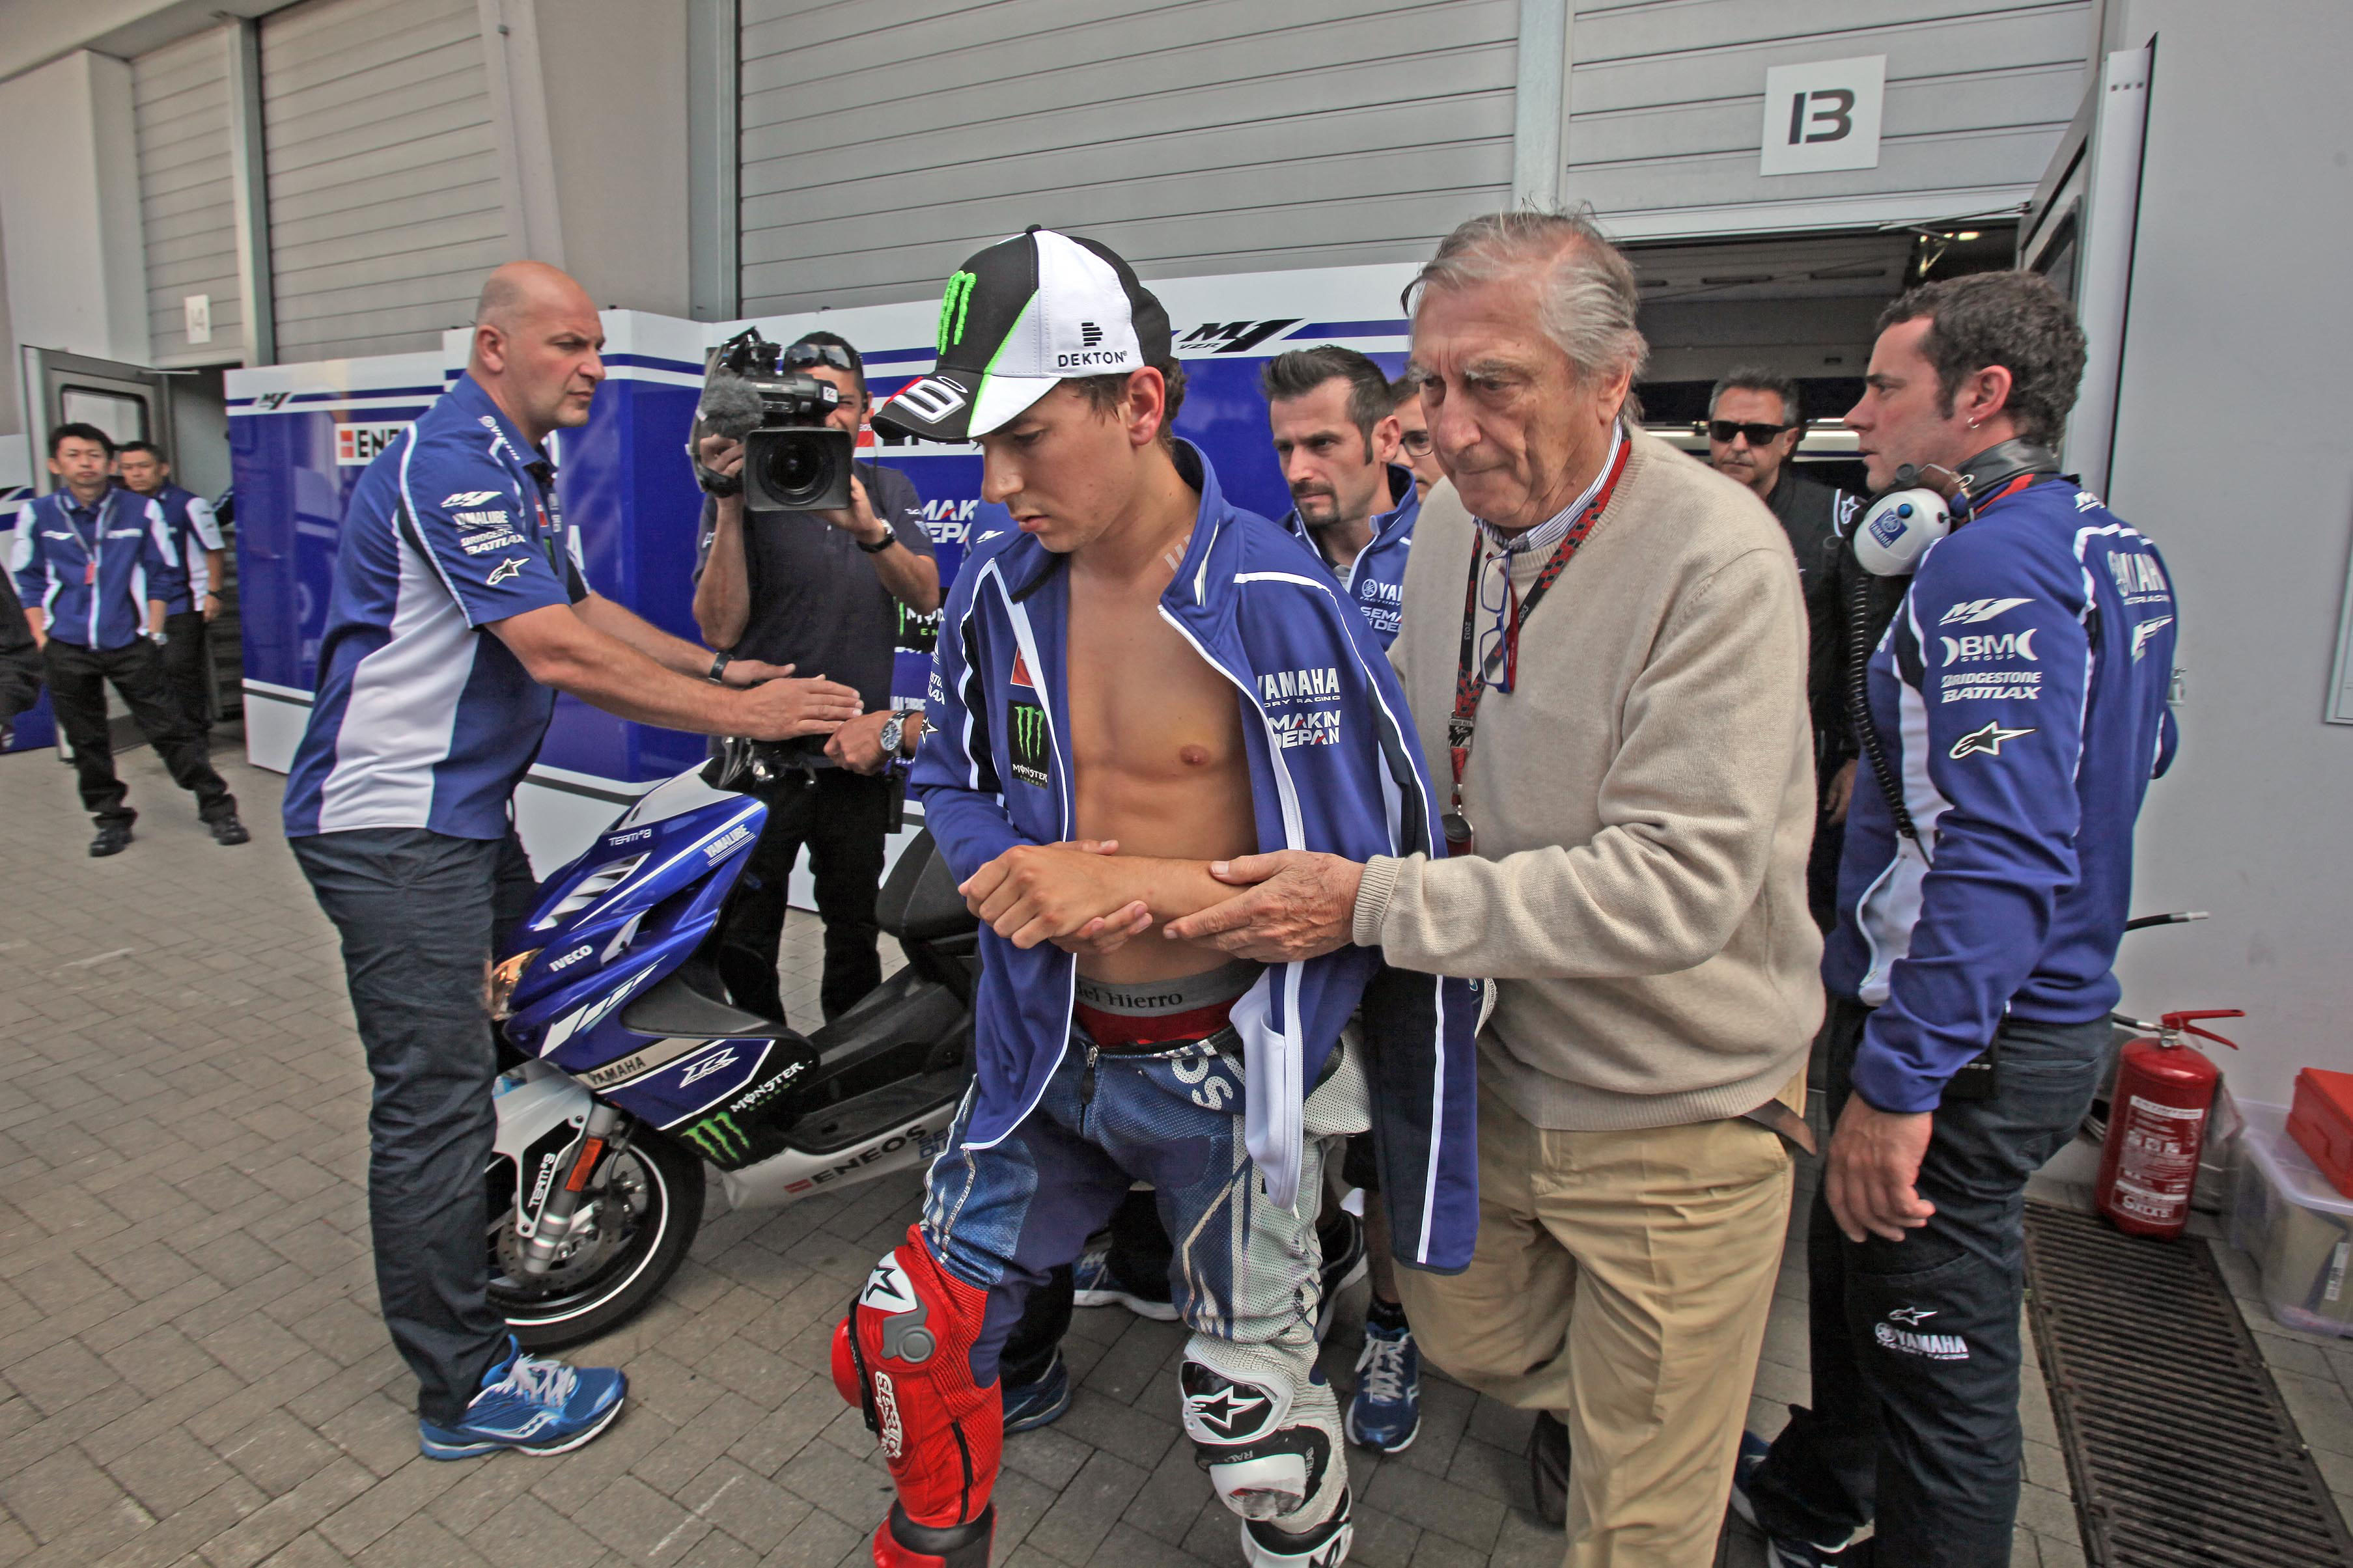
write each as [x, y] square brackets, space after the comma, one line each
[649, 1208]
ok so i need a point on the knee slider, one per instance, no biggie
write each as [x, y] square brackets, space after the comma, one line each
[1265, 1464]
[904, 1355]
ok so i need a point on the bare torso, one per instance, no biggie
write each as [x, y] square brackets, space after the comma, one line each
[1156, 741]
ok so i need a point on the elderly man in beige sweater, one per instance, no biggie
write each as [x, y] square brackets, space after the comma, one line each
[1604, 647]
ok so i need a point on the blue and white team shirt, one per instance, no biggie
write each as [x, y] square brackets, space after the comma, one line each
[2020, 695]
[195, 530]
[91, 570]
[424, 718]
[1374, 581]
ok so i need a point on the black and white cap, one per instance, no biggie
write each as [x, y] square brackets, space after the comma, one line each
[1019, 317]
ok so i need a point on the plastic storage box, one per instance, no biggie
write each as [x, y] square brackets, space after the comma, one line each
[2296, 1226]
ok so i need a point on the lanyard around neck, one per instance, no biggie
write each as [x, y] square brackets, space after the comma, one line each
[1470, 671]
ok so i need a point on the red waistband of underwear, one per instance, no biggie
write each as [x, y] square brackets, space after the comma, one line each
[1132, 1031]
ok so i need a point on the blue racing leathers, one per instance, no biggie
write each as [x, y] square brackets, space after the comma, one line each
[1374, 581]
[1334, 767]
[2020, 695]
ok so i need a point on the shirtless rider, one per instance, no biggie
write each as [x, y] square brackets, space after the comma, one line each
[1137, 681]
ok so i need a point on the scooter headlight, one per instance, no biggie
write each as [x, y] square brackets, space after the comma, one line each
[503, 980]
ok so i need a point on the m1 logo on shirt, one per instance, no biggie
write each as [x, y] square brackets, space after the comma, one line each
[360, 444]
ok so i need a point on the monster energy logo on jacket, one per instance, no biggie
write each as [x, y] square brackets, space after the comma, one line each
[1025, 726]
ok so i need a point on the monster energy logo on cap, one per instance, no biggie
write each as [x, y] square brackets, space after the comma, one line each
[1019, 317]
[1033, 751]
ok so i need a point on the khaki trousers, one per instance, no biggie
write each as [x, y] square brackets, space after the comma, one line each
[1621, 1280]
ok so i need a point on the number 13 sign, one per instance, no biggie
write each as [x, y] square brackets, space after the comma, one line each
[1823, 116]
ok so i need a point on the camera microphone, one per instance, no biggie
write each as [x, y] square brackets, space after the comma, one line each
[730, 407]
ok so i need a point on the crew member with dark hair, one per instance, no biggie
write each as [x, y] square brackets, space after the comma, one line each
[2016, 714]
[188, 616]
[1413, 435]
[1756, 419]
[831, 594]
[1335, 433]
[96, 566]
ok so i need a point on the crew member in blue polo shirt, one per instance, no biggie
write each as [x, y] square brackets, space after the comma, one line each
[188, 615]
[96, 566]
[1337, 432]
[460, 609]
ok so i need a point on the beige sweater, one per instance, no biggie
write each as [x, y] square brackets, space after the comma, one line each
[1643, 804]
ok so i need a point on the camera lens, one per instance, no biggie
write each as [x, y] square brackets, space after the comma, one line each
[798, 468]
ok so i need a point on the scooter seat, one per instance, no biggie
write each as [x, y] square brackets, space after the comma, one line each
[919, 902]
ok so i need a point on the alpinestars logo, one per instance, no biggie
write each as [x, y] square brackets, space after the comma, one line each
[953, 305]
[1968, 612]
[1025, 730]
[1230, 1412]
[2145, 631]
[886, 1413]
[887, 1290]
[1988, 741]
[511, 567]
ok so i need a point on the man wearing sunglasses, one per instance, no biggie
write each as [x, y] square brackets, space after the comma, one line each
[1755, 423]
[828, 592]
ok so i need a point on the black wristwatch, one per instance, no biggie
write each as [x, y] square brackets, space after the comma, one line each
[719, 663]
[889, 539]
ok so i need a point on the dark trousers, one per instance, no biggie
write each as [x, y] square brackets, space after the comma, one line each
[1140, 1256]
[418, 913]
[78, 680]
[843, 818]
[1915, 1344]
[187, 672]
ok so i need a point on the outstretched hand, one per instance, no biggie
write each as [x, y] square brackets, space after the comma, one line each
[1298, 906]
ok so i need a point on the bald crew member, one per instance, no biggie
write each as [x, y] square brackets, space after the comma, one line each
[459, 610]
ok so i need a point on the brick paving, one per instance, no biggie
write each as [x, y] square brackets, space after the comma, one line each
[195, 1372]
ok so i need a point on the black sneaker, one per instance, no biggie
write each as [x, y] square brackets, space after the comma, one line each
[1343, 1264]
[230, 830]
[1548, 1468]
[113, 838]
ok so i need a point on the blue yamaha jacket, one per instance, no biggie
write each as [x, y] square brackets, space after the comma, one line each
[195, 530]
[93, 569]
[2020, 694]
[1335, 766]
[1374, 581]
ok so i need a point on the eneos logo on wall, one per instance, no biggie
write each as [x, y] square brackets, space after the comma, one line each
[357, 444]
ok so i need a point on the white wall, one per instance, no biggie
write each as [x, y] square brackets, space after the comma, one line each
[2233, 452]
[616, 88]
[69, 194]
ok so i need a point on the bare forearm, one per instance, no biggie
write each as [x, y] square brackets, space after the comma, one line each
[914, 580]
[722, 598]
[36, 621]
[623, 680]
[670, 652]
[156, 617]
[1171, 890]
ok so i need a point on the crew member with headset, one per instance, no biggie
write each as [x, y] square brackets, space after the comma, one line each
[459, 610]
[188, 615]
[2011, 722]
[828, 592]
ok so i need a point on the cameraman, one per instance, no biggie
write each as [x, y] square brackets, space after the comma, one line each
[820, 591]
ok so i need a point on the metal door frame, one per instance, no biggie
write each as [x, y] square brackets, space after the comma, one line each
[46, 371]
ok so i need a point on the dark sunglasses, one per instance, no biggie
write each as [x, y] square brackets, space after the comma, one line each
[1726, 430]
[833, 354]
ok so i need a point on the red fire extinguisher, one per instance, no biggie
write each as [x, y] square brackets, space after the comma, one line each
[2157, 1125]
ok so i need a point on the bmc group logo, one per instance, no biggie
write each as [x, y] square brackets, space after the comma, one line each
[359, 444]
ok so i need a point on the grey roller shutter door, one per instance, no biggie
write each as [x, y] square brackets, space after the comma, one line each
[1667, 97]
[883, 141]
[179, 96]
[385, 202]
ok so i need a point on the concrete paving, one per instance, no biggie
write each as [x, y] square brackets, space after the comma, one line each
[195, 1372]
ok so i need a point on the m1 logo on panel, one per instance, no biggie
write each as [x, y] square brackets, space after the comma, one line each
[358, 444]
[1823, 116]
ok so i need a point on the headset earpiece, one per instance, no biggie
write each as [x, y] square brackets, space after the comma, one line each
[1898, 529]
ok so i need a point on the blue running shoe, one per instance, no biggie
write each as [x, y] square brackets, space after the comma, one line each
[1093, 1284]
[1384, 1412]
[1040, 1403]
[532, 1404]
[1779, 1552]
